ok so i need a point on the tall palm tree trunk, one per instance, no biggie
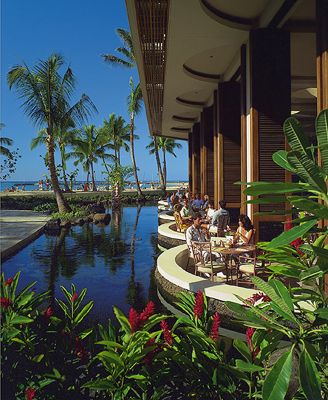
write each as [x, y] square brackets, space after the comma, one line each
[63, 206]
[94, 189]
[132, 157]
[64, 173]
[160, 173]
[164, 167]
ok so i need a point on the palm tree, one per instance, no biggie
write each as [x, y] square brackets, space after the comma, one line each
[167, 146]
[153, 146]
[4, 151]
[134, 105]
[88, 148]
[127, 51]
[117, 133]
[46, 97]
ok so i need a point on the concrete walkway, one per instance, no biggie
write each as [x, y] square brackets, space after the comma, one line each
[18, 227]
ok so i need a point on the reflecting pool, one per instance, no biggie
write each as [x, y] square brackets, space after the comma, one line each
[114, 262]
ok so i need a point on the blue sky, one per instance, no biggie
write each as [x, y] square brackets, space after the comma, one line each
[81, 30]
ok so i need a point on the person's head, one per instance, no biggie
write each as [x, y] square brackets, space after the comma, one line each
[198, 196]
[197, 219]
[185, 203]
[183, 197]
[176, 200]
[178, 190]
[206, 197]
[210, 204]
[245, 222]
[177, 207]
[222, 204]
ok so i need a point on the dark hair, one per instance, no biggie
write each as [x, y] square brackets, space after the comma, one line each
[246, 222]
[223, 204]
[196, 215]
[210, 202]
[177, 207]
[184, 197]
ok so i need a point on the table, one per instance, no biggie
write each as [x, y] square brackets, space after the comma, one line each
[227, 253]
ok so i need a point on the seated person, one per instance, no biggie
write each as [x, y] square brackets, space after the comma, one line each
[178, 193]
[176, 200]
[221, 218]
[245, 231]
[210, 210]
[198, 203]
[206, 200]
[169, 201]
[180, 223]
[186, 211]
[196, 232]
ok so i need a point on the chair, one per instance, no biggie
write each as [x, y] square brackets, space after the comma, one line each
[250, 266]
[202, 254]
[190, 255]
[180, 225]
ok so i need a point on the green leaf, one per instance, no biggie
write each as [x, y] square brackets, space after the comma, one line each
[309, 377]
[20, 319]
[284, 270]
[85, 310]
[314, 272]
[109, 343]
[247, 367]
[312, 207]
[243, 349]
[66, 294]
[110, 357]
[307, 170]
[267, 200]
[79, 299]
[38, 358]
[282, 291]
[296, 136]
[288, 236]
[276, 384]
[273, 187]
[280, 158]
[64, 307]
[321, 126]
[322, 312]
[122, 320]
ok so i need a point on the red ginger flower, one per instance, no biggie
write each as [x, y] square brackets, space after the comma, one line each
[149, 357]
[249, 334]
[214, 334]
[295, 242]
[167, 334]
[30, 393]
[74, 297]
[9, 281]
[137, 321]
[199, 304]
[258, 296]
[45, 317]
[5, 303]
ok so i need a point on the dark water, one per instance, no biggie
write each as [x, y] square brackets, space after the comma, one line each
[114, 262]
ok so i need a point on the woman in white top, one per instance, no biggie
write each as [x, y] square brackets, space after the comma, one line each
[245, 230]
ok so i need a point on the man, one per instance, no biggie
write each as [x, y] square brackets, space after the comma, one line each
[186, 212]
[196, 232]
[198, 203]
[178, 193]
[221, 218]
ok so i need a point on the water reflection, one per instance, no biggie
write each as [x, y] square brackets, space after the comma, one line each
[114, 262]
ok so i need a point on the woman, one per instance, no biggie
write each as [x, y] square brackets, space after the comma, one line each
[181, 224]
[206, 200]
[245, 230]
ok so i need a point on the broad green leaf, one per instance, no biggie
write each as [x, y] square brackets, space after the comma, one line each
[85, 310]
[276, 384]
[66, 294]
[101, 384]
[288, 236]
[247, 367]
[314, 250]
[103, 332]
[110, 357]
[322, 312]
[282, 291]
[314, 272]
[122, 320]
[284, 270]
[280, 158]
[20, 319]
[296, 136]
[243, 349]
[267, 200]
[109, 343]
[312, 207]
[79, 299]
[307, 170]
[38, 358]
[309, 377]
[321, 126]
[13, 286]
[85, 333]
[64, 307]
[273, 187]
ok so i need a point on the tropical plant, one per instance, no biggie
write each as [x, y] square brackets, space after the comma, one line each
[88, 148]
[167, 146]
[46, 96]
[9, 157]
[127, 51]
[134, 105]
[118, 173]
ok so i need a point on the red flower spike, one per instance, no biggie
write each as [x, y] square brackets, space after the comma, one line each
[214, 334]
[74, 297]
[149, 357]
[8, 282]
[30, 394]
[5, 303]
[249, 335]
[134, 320]
[45, 317]
[167, 334]
[199, 304]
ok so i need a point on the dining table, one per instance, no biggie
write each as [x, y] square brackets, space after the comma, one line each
[230, 253]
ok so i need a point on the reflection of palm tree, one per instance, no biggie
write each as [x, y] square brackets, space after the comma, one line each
[135, 228]
[135, 296]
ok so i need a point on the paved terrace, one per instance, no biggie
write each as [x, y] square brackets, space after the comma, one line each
[19, 227]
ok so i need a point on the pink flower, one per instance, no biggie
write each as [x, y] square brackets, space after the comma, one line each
[199, 304]
[167, 334]
[74, 297]
[30, 393]
[5, 303]
[8, 282]
[214, 334]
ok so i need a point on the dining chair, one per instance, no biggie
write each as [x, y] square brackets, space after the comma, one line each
[203, 258]
[190, 255]
[250, 266]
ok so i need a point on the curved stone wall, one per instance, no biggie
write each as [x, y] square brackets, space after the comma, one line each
[165, 217]
[168, 237]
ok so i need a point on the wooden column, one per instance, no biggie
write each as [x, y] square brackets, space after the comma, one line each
[195, 188]
[207, 152]
[243, 128]
[190, 160]
[270, 87]
[229, 143]
[216, 153]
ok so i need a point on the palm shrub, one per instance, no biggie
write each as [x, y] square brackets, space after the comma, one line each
[298, 314]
